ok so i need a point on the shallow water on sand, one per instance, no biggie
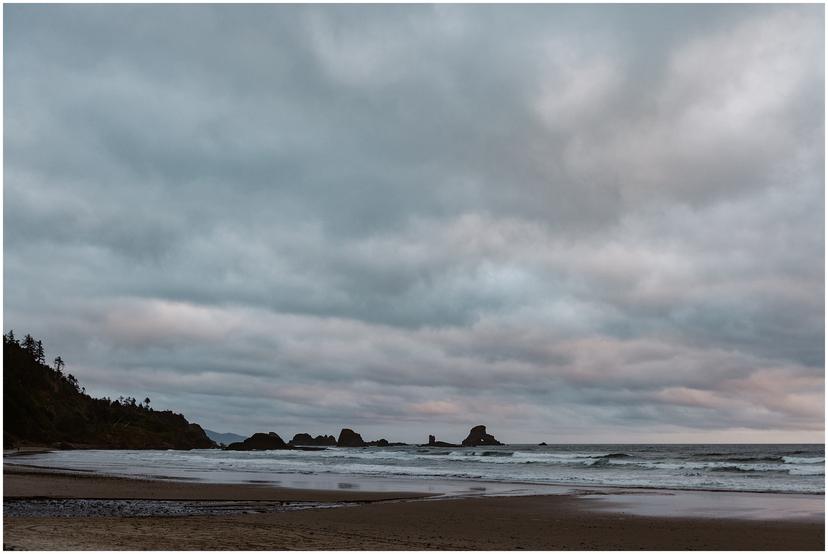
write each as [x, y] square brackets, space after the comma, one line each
[713, 504]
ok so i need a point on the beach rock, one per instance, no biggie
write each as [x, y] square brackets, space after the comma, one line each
[381, 442]
[431, 439]
[304, 439]
[260, 441]
[479, 437]
[347, 437]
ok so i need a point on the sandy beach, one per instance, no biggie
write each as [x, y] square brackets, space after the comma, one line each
[369, 521]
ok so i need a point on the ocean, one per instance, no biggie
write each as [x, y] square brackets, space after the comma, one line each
[781, 468]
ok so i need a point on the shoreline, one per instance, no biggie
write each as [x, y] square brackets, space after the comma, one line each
[348, 519]
[22, 482]
[550, 486]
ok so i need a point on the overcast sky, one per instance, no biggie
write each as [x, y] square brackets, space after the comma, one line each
[569, 223]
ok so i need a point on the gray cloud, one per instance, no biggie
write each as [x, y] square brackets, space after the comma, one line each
[565, 221]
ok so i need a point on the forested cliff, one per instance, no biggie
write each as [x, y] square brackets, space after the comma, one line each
[44, 405]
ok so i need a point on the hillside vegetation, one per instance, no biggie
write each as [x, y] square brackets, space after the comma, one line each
[42, 405]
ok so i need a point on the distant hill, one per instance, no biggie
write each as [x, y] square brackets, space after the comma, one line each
[224, 438]
[43, 405]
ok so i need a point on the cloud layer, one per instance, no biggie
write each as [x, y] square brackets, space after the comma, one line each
[568, 222]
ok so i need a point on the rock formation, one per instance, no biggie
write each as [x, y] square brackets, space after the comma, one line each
[384, 442]
[304, 439]
[260, 441]
[432, 441]
[347, 437]
[479, 437]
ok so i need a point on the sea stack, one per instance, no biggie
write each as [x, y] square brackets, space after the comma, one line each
[347, 437]
[304, 439]
[260, 441]
[479, 437]
[432, 441]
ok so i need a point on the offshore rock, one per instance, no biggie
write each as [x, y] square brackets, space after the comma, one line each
[385, 442]
[260, 441]
[304, 439]
[347, 437]
[432, 441]
[479, 437]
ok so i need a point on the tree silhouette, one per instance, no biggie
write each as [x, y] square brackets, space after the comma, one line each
[40, 353]
[10, 337]
[59, 365]
[147, 402]
[29, 345]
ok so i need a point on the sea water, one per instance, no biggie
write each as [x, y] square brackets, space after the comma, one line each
[784, 468]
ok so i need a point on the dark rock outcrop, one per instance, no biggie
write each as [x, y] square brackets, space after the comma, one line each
[347, 437]
[384, 442]
[542, 444]
[260, 441]
[479, 437]
[304, 439]
[325, 440]
[432, 441]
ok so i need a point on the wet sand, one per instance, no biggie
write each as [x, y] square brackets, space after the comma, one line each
[32, 482]
[374, 521]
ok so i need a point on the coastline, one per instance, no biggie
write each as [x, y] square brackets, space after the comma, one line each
[348, 519]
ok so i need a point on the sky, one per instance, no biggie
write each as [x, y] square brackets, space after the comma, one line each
[570, 223]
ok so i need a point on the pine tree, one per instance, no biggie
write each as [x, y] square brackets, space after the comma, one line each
[29, 345]
[40, 353]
